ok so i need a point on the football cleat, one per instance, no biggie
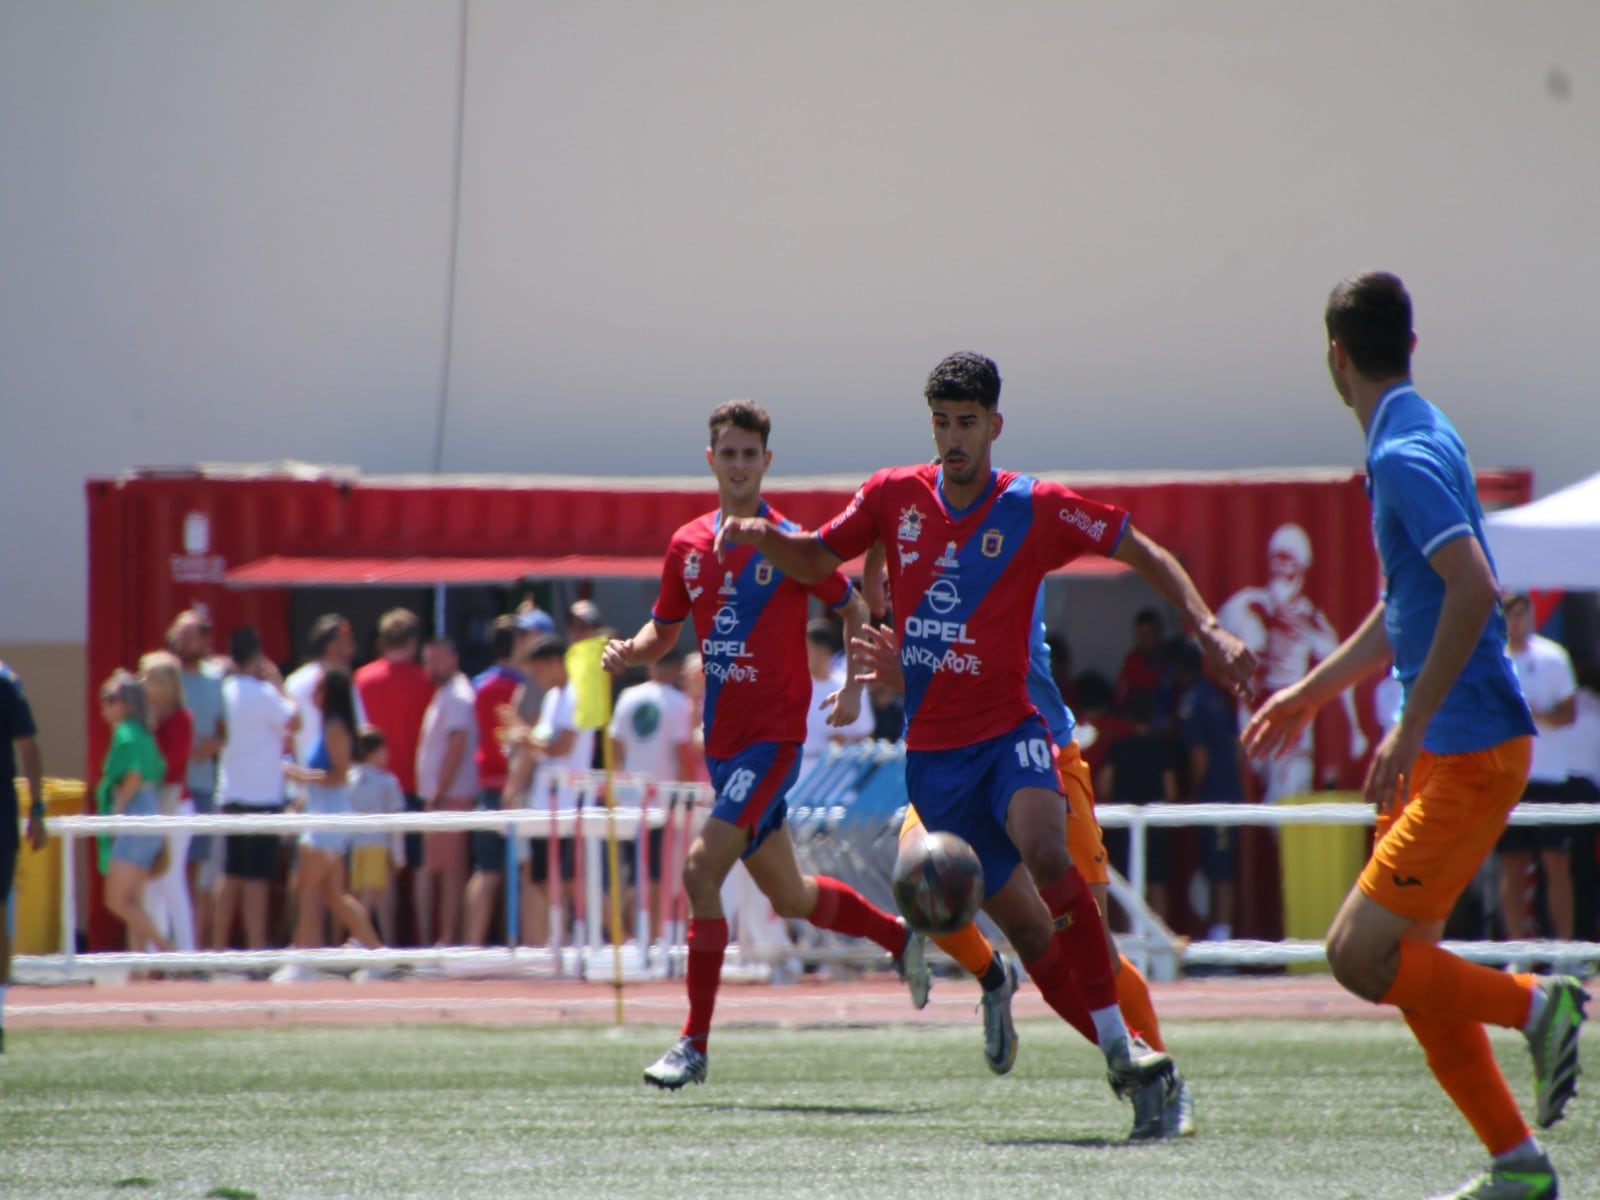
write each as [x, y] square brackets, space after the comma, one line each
[1144, 1076]
[999, 1033]
[911, 964]
[1177, 1118]
[1530, 1178]
[680, 1065]
[1553, 1042]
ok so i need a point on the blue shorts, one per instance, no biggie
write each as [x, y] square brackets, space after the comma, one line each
[753, 786]
[140, 849]
[967, 791]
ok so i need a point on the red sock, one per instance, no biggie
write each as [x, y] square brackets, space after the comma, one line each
[707, 940]
[1082, 937]
[1053, 978]
[841, 909]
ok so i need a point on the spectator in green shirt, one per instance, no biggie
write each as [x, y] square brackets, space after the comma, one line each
[133, 771]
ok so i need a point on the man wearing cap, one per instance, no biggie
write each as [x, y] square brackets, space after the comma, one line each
[1545, 671]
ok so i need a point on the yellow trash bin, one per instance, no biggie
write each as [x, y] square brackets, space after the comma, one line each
[1319, 863]
[38, 884]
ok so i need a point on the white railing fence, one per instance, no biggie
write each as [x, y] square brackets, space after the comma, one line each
[845, 819]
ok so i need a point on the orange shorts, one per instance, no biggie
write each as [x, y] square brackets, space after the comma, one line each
[1084, 842]
[1426, 853]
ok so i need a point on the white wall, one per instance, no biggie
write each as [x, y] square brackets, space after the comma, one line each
[225, 233]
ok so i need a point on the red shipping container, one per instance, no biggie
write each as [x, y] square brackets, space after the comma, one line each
[163, 541]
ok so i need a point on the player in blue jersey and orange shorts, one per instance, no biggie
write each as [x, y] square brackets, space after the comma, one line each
[1446, 777]
[969, 547]
[749, 619]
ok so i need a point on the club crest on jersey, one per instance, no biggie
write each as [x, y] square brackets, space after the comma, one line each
[691, 565]
[727, 588]
[910, 524]
[763, 574]
[948, 559]
[992, 539]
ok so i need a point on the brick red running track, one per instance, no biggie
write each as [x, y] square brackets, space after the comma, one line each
[192, 1004]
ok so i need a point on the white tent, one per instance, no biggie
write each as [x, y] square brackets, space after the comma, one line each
[1550, 543]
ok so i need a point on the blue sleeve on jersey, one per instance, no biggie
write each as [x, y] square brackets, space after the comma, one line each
[1418, 486]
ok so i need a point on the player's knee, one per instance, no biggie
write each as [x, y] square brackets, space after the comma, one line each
[1354, 968]
[1048, 861]
[791, 903]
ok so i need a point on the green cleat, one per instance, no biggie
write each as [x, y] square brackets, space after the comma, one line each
[678, 1066]
[911, 964]
[1531, 1178]
[1553, 1042]
[999, 1033]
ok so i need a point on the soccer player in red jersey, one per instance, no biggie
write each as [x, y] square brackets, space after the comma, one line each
[969, 548]
[750, 620]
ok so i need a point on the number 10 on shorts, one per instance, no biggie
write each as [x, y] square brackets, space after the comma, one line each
[1034, 751]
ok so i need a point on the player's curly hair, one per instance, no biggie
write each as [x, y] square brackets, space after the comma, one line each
[740, 414]
[1369, 314]
[964, 376]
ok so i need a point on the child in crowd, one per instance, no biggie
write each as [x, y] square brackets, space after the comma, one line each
[373, 855]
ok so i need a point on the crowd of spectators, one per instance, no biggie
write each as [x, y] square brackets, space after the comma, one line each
[197, 731]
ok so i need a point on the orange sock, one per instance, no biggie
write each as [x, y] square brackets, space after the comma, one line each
[1436, 983]
[1133, 998]
[1461, 1060]
[969, 948]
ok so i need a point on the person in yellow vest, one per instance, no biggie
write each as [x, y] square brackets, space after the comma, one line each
[586, 640]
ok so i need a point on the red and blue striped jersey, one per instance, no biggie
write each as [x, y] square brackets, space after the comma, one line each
[750, 622]
[964, 585]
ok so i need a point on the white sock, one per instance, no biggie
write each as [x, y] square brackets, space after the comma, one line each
[1535, 1009]
[1109, 1027]
[1528, 1147]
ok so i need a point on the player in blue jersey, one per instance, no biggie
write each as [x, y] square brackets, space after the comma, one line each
[1446, 777]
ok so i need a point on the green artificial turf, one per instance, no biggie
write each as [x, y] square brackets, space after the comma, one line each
[1290, 1109]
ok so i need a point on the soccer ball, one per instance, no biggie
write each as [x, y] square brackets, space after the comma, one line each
[938, 884]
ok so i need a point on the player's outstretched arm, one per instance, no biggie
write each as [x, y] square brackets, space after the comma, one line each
[1229, 656]
[1277, 724]
[642, 649]
[800, 556]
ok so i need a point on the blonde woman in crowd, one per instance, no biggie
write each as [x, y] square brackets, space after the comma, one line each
[132, 772]
[166, 896]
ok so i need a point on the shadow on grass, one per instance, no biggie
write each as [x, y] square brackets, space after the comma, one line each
[1079, 1143]
[820, 1110]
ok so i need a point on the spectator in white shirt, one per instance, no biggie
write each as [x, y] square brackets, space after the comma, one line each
[1548, 684]
[650, 730]
[260, 720]
[447, 778]
[824, 648]
[544, 754]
